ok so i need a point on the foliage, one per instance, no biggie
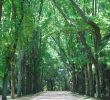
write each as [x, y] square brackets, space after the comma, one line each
[58, 38]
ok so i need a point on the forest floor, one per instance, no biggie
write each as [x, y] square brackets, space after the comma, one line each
[54, 95]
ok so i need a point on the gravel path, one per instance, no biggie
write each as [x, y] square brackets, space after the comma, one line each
[53, 95]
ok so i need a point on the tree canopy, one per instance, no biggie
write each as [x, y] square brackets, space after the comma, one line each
[54, 45]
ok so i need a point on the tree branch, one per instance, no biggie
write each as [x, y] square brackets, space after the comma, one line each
[1, 4]
[87, 48]
[97, 35]
[60, 10]
[41, 8]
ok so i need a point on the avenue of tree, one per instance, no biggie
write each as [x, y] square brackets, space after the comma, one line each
[54, 45]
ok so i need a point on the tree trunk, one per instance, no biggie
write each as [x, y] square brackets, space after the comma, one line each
[93, 59]
[5, 78]
[35, 77]
[94, 7]
[90, 76]
[23, 84]
[36, 61]
[21, 56]
[86, 81]
[73, 78]
[97, 78]
[83, 80]
[108, 79]
[13, 78]
[97, 41]
[36, 80]
[4, 86]
[1, 4]
[28, 79]
[14, 44]
[12, 62]
[65, 84]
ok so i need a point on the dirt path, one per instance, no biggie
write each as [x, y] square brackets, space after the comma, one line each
[53, 95]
